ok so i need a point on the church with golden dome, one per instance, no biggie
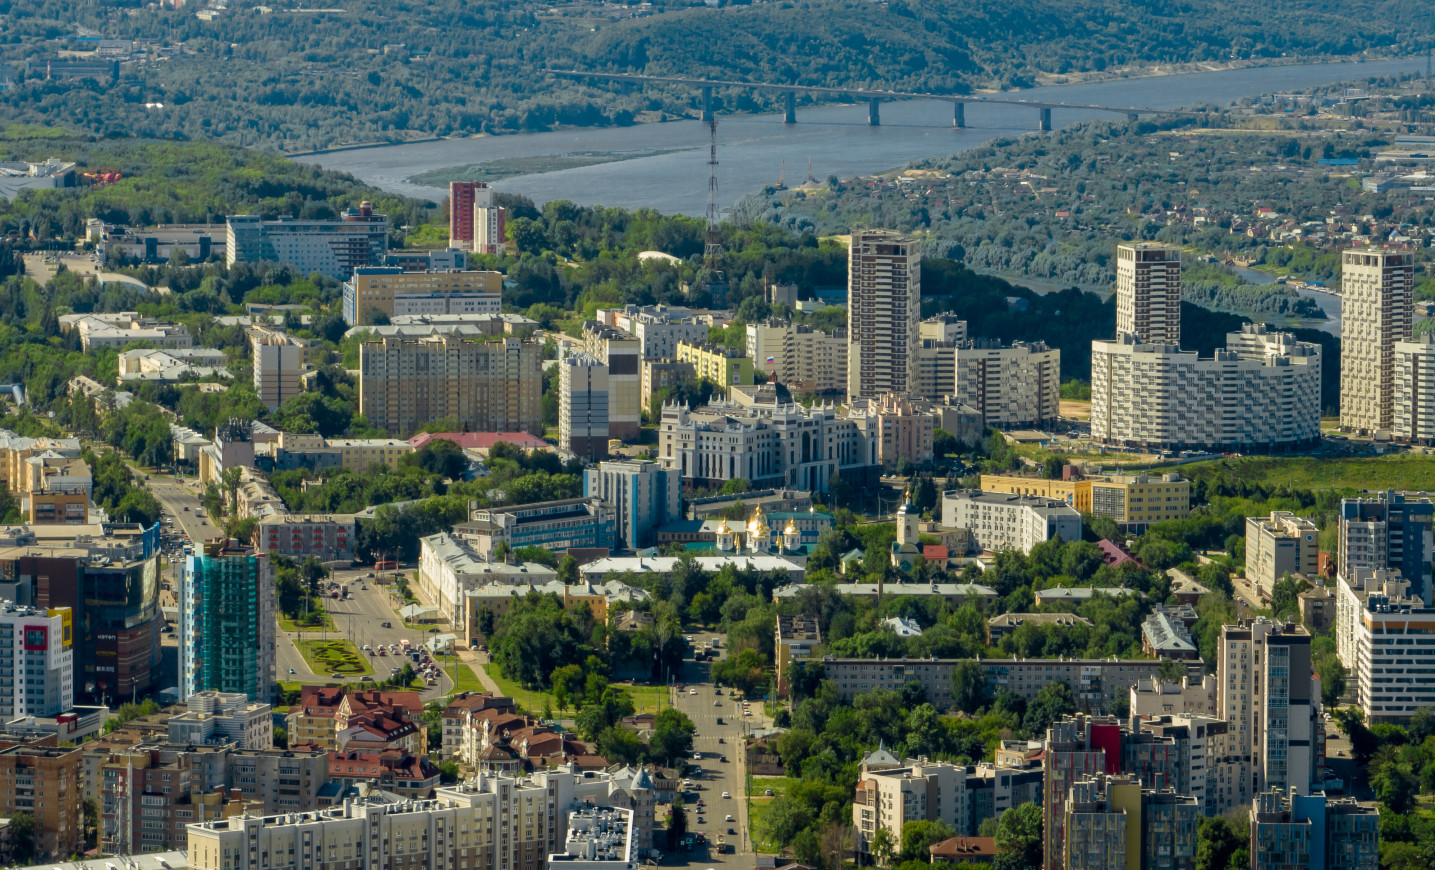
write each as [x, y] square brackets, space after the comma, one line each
[757, 537]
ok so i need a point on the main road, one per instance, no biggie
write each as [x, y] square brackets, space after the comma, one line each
[360, 619]
[719, 767]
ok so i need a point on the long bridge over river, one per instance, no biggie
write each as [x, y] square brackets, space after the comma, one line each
[874, 98]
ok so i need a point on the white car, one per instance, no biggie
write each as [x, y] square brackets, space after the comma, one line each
[729, 818]
[692, 691]
[725, 796]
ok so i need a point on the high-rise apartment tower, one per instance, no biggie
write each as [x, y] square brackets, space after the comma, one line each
[1377, 293]
[1148, 292]
[884, 302]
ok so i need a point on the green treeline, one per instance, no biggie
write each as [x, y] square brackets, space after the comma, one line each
[390, 70]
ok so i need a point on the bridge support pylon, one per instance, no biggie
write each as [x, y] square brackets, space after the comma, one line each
[874, 113]
[1044, 125]
[789, 108]
[959, 115]
[707, 104]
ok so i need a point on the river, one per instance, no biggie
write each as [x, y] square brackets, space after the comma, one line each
[837, 140]
[1328, 302]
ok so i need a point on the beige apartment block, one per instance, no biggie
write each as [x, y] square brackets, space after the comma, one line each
[1280, 544]
[280, 361]
[623, 355]
[1376, 300]
[487, 386]
[391, 290]
[805, 359]
[1266, 693]
[1414, 403]
[1011, 386]
[1148, 292]
[884, 310]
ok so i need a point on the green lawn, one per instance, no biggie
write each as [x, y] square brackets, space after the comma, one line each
[525, 698]
[1352, 473]
[756, 808]
[760, 784]
[319, 619]
[465, 680]
[326, 657]
[646, 699]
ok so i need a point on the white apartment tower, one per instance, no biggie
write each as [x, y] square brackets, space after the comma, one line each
[1377, 291]
[488, 223]
[38, 647]
[1414, 405]
[1380, 634]
[583, 406]
[884, 302]
[1148, 292]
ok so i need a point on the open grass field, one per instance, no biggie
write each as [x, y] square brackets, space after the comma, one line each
[647, 699]
[334, 657]
[465, 680]
[759, 785]
[1319, 473]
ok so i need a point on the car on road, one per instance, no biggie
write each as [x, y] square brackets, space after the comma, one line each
[767, 793]
[697, 756]
[717, 703]
[729, 818]
[292, 671]
[386, 625]
[336, 676]
[722, 758]
[725, 795]
[720, 722]
[731, 830]
[692, 691]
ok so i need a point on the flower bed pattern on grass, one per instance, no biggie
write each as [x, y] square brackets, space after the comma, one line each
[341, 657]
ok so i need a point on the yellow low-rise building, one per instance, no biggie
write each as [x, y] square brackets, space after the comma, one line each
[1133, 501]
[721, 365]
[359, 454]
[1076, 493]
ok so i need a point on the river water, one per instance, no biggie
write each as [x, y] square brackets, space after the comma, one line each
[1328, 302]
[837, 140]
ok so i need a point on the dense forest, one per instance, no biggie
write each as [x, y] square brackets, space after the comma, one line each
[176, 182]
[293, 79]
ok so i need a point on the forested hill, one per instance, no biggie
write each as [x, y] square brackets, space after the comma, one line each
[946, 47]
[353, 71]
